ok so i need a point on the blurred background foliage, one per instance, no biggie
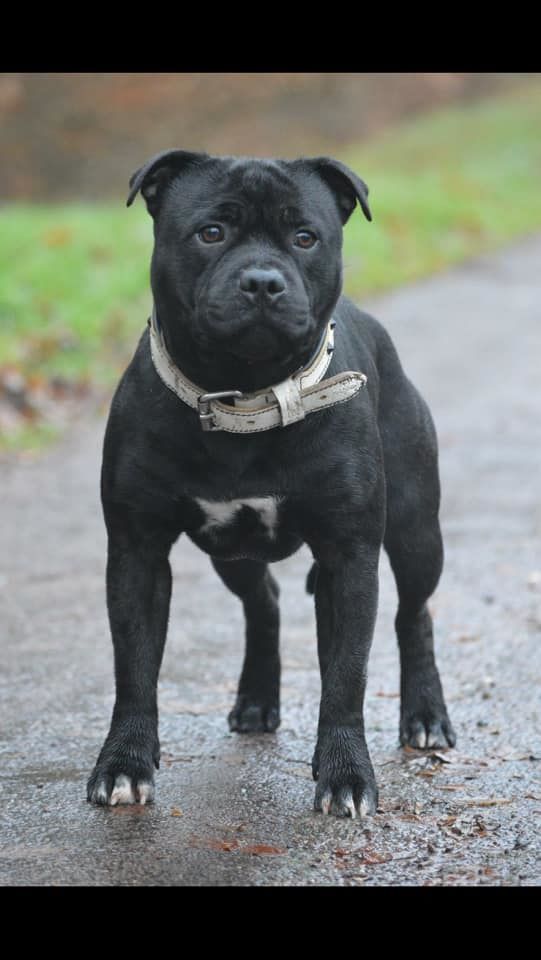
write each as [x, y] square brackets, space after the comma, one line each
[453, 162]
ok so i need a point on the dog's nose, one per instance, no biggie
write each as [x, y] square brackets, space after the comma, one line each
[267, 284]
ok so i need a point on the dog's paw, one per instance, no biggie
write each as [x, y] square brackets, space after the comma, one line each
[249, 716]
[424, 722]
[346, 785]
[109, 789]
[425, 731]
[352, 800]
[124, 772]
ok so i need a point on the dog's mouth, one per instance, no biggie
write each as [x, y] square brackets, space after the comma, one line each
[262, 347]
[258, 354]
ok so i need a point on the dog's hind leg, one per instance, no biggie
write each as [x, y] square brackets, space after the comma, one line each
[257, 707]
[416, 561]
[414, 545]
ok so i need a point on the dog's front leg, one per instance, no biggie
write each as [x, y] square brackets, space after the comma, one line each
[346, 604]
[138, 595]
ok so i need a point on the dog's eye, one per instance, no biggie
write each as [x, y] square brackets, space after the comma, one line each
[305, 239]
[212, 234]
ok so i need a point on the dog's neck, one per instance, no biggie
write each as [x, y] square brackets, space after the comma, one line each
[277, 405]
[215, 370]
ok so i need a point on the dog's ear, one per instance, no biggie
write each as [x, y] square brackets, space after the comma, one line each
[345, 184]
[152, 177]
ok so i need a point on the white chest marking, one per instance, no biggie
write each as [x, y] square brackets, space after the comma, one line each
[220, 513]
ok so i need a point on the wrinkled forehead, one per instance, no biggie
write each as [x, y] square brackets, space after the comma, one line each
[256, 179]
[257, 184]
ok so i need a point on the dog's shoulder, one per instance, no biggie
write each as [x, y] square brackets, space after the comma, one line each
[140, 392]
[139, 417]
[367, 334]
[363, 326]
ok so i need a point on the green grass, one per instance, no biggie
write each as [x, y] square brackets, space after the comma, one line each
[445, 187]
[30, 439]
[74, 288]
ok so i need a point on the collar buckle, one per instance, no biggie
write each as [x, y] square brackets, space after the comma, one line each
[206, 416]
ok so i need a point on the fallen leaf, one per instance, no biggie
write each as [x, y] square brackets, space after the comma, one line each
[466, 829]
[225, 845]
[100, 254]
[176, 812]
[340, 852]
[370, 857]
[487, 802]
[58, 236]
[262, 849]
[168, 758]
[450, 786]
[228, 846]
[428, 764]
[446, 822]
[381, 693]
[506, 752]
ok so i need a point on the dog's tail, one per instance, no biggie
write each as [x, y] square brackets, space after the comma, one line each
[311, 579]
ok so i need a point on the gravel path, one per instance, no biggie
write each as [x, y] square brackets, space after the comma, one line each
[235, 810]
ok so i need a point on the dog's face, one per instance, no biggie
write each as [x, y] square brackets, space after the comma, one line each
[247, 266]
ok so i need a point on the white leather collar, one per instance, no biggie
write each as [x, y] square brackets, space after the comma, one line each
[276, 406]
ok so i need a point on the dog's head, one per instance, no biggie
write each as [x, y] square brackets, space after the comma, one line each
[247, 265]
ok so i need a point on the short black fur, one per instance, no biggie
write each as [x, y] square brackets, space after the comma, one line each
[344, 481]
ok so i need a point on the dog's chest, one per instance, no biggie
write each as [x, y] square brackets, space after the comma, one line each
[261, 512]
[245, 527]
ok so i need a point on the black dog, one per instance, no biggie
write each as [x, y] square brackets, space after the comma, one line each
[246, 277]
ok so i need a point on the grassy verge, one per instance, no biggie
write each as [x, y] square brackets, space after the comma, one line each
[31, 438]
[74, 291]
[445, 187]
[73, 288]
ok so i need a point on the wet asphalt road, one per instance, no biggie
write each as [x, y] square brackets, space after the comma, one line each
[237, 810]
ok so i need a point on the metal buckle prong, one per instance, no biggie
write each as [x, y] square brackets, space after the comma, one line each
[206, 415]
